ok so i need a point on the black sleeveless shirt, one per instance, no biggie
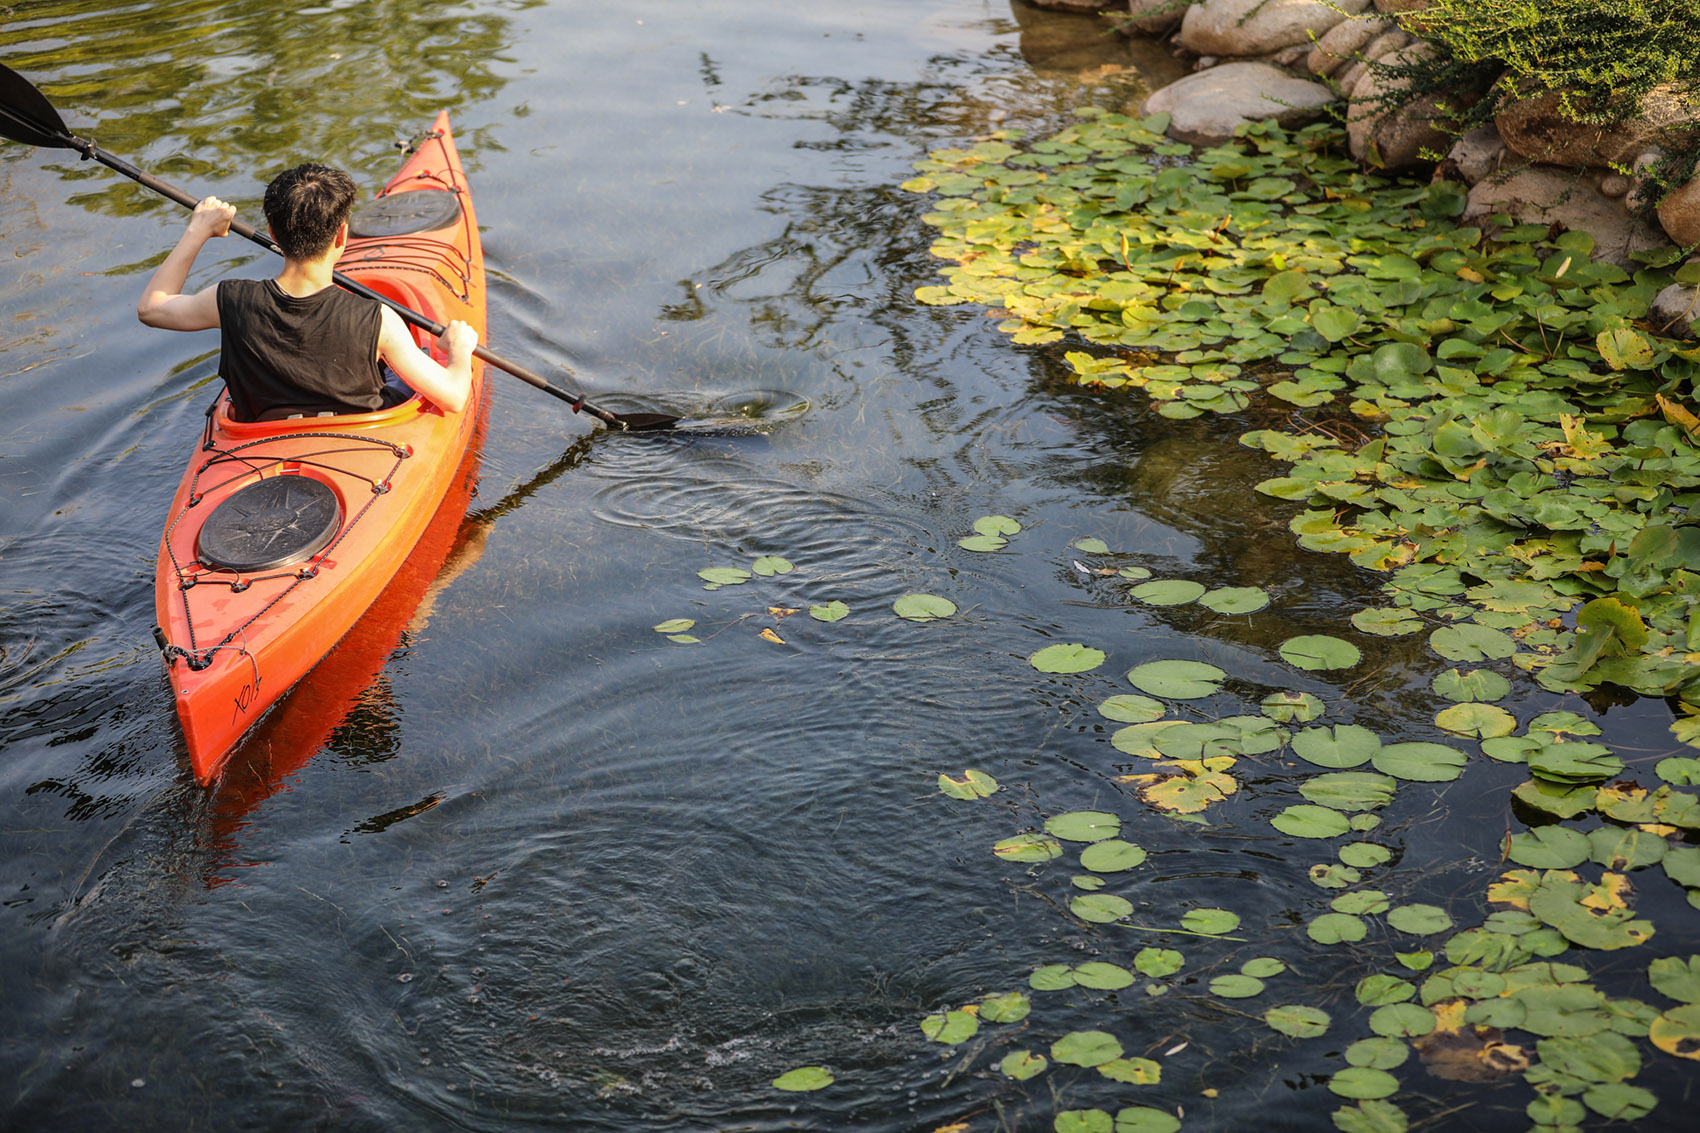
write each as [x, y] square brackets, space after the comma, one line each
[283, 356]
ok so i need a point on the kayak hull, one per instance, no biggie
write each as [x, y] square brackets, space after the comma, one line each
[236, 640]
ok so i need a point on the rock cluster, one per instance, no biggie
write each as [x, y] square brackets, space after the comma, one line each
[1291, 59]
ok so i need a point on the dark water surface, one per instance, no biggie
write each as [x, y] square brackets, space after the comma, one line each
[513, 860]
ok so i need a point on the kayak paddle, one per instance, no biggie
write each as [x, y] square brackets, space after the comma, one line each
[26, 116]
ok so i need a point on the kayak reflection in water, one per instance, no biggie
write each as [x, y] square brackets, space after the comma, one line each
[297, 345]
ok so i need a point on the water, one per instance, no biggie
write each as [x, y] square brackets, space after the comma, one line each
[512, 860]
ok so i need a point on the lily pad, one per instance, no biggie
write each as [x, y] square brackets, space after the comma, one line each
[1291, 707]
[996, 525]
[1086, 1048]
[1168, 592]
[974, 784]
[1210, 922]
[1349, 790]
[1235, 599]
[1337, 928]
[1549, 847]
[1297, 1020]
[923, 607]
[830, 612]
[1022, 1065]
[1102, 975]
[1343, 746]
[1483, 685]
[1100, 908]
[951, 1027]
[675, 625]
[717, 577]
[771, 565]
[1419, 919]
[1084, 826]
[1130, 708]
[804, 1078]
[1111, 856]
[1420, 762]
[1070, 658]
[1310, 821]
[1177, 680]
[1236, 986]
[1317, 652]
[1482, 721]
[1028, 848]
[1363, 1082]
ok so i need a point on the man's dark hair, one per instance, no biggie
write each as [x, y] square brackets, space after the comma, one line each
[304, 207]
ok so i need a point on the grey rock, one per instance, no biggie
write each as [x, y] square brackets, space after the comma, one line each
[1546, 194]
[1207, 107]
[1340, 44]
[1258, 27]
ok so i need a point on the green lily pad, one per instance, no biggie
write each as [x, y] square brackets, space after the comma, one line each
[1343, 746]
[923, 607]
[804, 1078]
[1070, 658]
[1028, 848]
[951, 1027]
[984, 544]
[1419, 919]
[1379, 1053]
[1145, 1119]
[830, 612]
[1022, 1065]
[1471, 643]
[1100, 908]
[1177, 680]
[771, 565]
[1086, 1048]
[1158, 962]
[1131, 708]
[1483, 685]
[1381, 989]
[1136, 1071]
[1297, 1020]
[1090, 545]
[1236, 986]
[1291, 707]
[996, 525]
[1363, 1082]
[1420, 762]
[1371, 1115]
[1387, 623]
[1263, 967]
[1111, 856]
[1168, 592]
[1210, 922]
[1337, 928]
[1310, 821]
[1482, 721]
[1549, 847]
[1676, 978]
[717, 577]
[1084, 826]
[1102, 975]
[1349, 790]
[974, 784]
[675, 625]
[1365, 855]
[1402, 1021]
[1235, 599]
[1316, 652]
[1011, 1007]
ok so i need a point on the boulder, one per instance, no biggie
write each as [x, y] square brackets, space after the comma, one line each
[1675, 310]
[1385, 44]
[1546, 194]
[1405, 8]
[1679, 213]
[1075, 5]
[1478, 154]
[1340, 44]
[1398, 138]
[1537, 128]
[1260, 27]
[1153, 17]
[1207, 107]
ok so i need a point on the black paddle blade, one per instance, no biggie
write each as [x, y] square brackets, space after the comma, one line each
[25, 114]
[645, 422]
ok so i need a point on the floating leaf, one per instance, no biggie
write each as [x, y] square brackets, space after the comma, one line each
[1297, 1020]
[1028, 848]
[1100, 908]
[1210, 922]
[1090, 545]
[1677, 1031]
[1675, 977]
[1380, 989]
[1471, 643]
[1071, 658]
[1111, 856]
[1380, 1053]
[1549, 847]
[1483, 721]
[769, 635]
[973, 785]
[831, 612]
[1084, 825]
[723, 576]
[1145, 1119]
[675, 625]
[1022, 1065]
[684, 639]
[1476, 685]
[1236, 987]
[1168, 592]
[1310, 821]
[1363, 1082]
[1086, 1048]
[1177, 680]
[1401, 1020]
[771, 565]
[1419, 920]
[1349, 790]
[1317, 652]
[1136, 1071]
[1337, 928]
[1387, 623]
[1291, 707]
[985, 544]
[996, 525]
[923, 607]
[1235, 599]
[1102, 975]
[804, 1078]
[1342, 746]
[1158, 962]
[951, 1027]
[1365, 855]
[1083, 1121]
[1011, 1007]
[1131, 708]
[1263, 967]
[1420, 762]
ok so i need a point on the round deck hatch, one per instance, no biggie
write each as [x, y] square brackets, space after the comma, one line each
[269, 524]
[399, 214]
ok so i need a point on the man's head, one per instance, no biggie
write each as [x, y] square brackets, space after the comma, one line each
[305, 206]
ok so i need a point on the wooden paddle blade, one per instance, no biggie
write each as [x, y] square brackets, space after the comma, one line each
[25, 114]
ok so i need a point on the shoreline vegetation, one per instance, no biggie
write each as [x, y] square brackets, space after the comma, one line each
[1490, 406]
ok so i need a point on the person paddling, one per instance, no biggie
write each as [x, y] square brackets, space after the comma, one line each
[298, 345]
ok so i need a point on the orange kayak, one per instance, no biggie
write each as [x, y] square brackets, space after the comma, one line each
[283, 533]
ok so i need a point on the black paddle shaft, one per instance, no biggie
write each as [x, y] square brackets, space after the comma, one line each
[30, 118]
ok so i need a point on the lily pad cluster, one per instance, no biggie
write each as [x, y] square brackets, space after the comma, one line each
[1486, 414]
